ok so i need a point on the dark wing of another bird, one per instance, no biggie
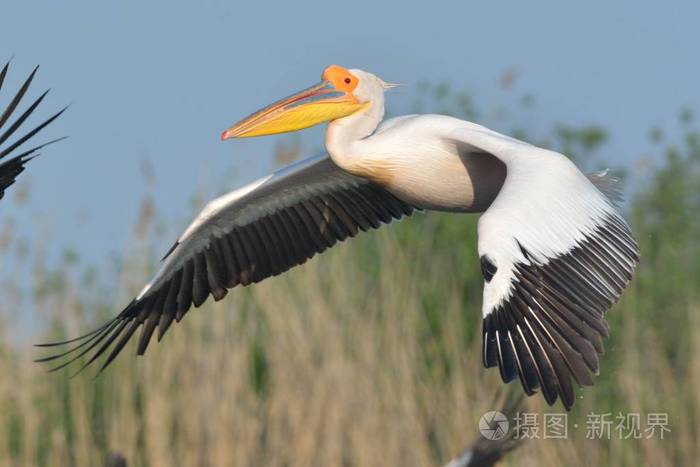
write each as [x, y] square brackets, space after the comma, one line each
[12, 163]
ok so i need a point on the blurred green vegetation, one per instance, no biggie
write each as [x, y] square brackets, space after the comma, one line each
[374, 350]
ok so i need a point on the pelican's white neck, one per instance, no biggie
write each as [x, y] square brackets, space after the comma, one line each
[343, 136]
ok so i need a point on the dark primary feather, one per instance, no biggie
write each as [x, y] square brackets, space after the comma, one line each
[12, 167]
[551, 329]
[323, 205]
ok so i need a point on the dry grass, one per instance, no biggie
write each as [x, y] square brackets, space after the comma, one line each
[331, 365]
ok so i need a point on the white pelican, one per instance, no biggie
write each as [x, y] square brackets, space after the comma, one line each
[11, 168]
[554, 252]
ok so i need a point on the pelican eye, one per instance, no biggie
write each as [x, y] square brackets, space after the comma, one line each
[348, 80]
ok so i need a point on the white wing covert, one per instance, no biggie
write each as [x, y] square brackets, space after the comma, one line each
[555, 256]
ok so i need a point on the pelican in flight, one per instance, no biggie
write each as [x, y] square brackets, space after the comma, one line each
[554, 252]
[15, 165]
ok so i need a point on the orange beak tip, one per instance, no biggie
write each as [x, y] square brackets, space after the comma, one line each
[224, 135]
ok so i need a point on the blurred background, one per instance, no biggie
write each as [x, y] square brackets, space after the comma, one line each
[361, 357]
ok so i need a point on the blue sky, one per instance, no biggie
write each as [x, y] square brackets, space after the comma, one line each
[159, 81]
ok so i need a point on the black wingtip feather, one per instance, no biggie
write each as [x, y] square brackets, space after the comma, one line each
[3, 73]
[4, 117]
[10, 169]
[31, 133]
[120, 345]
[554, 316]
[88, 342]
[75, 339]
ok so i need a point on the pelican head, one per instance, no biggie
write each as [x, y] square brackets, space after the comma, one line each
[340, 93]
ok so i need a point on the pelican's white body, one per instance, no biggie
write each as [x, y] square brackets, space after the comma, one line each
[554, 253]
[428, 168]
[413, 156]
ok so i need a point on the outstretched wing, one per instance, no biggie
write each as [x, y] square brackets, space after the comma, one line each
[556, 256]
[12, 167]
[248, 235]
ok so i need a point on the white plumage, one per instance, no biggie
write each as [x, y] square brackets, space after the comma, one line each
[554, 252]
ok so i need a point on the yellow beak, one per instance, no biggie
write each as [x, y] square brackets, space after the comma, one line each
[317, 104]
